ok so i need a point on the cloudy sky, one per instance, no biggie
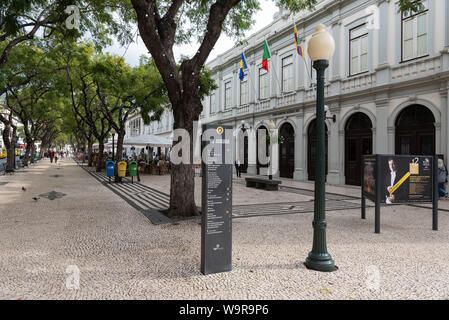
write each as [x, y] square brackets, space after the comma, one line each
[135, 50]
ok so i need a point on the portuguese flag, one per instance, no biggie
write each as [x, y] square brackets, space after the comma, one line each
[266, 56]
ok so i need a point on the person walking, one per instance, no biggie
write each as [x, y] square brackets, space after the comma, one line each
[52, 155]
[238, 168]
[56, 156]
[442, 178]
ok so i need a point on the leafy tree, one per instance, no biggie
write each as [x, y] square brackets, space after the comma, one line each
[123, 91]
[24, 20]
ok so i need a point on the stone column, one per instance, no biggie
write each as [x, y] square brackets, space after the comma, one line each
[333, 149]
[446, 19]
[299, 146]
[444, 94]
[275, 153]
[384, 135]
[336, 66]
[252, 152]
[383, 68]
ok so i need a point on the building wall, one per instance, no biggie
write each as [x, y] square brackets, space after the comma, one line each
[388, 86]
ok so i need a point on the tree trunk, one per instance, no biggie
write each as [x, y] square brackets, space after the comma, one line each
[29, 148]
[33, 150]
[90, 158]
[182, 178]
[44, 147]
[100, 155]
[119, 153]
[26, 158]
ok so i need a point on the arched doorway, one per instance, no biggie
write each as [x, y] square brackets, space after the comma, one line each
[358, 142]
[415, 131]
[261, 165]
[286, 151]
[311, 150]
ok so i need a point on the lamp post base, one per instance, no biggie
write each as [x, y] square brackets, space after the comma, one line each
[320, 262]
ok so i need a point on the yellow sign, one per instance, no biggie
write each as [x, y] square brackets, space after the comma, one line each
[398, 184]
[220, 130]
[414, 166]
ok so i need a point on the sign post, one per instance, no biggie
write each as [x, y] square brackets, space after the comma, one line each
[435, 195]
[216, 202]
[400, 179]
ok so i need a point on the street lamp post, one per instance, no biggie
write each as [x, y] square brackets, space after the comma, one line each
[113, 132]
[321, 47]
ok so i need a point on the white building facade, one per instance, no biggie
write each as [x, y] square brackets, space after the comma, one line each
[135, 128]
[387, 86]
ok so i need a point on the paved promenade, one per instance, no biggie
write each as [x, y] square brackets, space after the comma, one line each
[80, 229]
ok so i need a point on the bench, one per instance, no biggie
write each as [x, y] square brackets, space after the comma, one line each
[263, 183]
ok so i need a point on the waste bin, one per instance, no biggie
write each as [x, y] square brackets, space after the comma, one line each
[122, 169]
[133, 169]
[110, 166]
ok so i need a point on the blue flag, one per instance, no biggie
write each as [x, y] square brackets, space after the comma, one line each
[243, 67]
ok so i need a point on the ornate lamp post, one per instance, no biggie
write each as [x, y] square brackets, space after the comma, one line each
[321, 48]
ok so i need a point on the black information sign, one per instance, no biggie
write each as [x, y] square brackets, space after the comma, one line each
[216, 203]
[399, 179]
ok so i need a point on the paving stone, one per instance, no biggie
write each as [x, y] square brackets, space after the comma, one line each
[120, 254]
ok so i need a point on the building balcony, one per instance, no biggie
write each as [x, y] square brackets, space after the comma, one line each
[358, 82]
[416, 68]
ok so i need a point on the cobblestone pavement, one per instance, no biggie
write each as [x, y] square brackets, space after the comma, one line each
[120, 254]
[145, 199]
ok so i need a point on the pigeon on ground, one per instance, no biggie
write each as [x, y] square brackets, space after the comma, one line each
[24, 189]
[36, 198]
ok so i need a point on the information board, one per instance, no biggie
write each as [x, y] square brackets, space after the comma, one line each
[406, 179]
[399, 179]
[369, 177]
[216, 203]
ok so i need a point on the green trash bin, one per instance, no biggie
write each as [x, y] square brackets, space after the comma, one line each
[132, 170]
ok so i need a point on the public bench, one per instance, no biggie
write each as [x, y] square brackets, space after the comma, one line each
[262, 183]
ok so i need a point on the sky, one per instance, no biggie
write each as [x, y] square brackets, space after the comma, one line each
[136, 49]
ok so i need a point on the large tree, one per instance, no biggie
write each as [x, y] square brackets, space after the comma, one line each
[124, 90]
[22, 21]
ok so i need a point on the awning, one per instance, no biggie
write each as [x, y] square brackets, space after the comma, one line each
[148, 140]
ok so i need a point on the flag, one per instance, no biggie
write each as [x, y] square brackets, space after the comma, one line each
[299, 48]
[266, 56]
[243, 67]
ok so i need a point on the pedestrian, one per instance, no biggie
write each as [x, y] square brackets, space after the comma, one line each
[442, 178]
[52, 155]
[56, 156]
[237, 168]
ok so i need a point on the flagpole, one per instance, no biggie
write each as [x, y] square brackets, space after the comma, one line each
[274, 69]
[303, 59]
[250, 80]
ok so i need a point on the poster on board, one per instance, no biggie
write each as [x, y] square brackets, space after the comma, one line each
[406, 179]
